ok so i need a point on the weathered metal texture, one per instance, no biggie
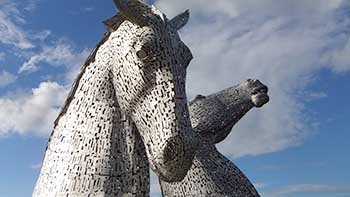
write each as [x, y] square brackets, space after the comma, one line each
[127, 109]
[212, 118]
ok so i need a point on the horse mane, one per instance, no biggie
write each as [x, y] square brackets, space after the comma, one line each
[112, 24]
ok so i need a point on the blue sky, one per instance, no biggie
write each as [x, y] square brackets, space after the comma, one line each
[296, 146]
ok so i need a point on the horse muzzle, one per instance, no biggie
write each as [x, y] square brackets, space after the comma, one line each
[176, 158]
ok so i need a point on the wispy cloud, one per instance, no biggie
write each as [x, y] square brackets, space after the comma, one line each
[31, 5]
[259, 185]
[285, 44]
[10, 32]
[341, 58]
[23, 112]
[88, 9]
[6, 78]
[311, 96]
[41, 35]
[36, 166]
[61, 54]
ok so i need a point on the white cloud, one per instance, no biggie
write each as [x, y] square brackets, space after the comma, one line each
[310, 96]
[58, 55]
[6, 78]
[31, 5]
[259, 185]
[341, 58]
[199, 7]
[32, 112]
[42, 35]
[309, 188]
[285, 44]
[61, 54]
[233, 9]
[36, 166]
[10, 32]
[73, 66]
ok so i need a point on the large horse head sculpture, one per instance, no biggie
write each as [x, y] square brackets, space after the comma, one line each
[127, 105]
[149, 72]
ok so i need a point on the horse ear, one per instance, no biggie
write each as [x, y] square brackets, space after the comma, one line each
[180, 20]
[135, 11]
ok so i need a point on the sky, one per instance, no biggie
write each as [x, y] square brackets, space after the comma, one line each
[295, 146]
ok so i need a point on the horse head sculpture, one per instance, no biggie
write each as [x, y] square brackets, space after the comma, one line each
[127, 110]
[212, 117]
[149, 73]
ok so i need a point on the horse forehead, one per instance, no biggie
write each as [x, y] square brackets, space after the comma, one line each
[130, 32]
[128, 35]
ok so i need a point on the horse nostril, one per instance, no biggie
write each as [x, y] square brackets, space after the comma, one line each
[262, 89]
[176, 157]
[173, 149]
[169, 153]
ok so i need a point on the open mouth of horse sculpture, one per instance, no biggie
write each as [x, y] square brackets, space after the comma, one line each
[259, 94]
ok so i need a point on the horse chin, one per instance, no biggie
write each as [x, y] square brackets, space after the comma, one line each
[176, 159]
[260, 99]
[170, 177]
[167, 175]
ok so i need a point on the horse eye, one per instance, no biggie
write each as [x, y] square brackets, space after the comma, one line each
[141, 54]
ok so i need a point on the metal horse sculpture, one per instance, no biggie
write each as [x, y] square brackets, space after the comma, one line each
[213, 117]
[126, 110]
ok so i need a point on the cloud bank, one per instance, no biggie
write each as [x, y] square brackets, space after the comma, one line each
[10, 32]
[61, 54]
[32, 112]
[283, 43]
